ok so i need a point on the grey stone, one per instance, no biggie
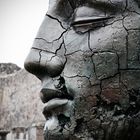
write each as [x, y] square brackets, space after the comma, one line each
[8, 68]
[87, 52]
[106, 64]
[19, 101]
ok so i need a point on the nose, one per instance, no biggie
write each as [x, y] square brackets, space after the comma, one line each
[42, 63]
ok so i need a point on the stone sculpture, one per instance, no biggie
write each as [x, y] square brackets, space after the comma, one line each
[87, 55]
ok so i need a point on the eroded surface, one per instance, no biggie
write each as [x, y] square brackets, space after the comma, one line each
[87, 51]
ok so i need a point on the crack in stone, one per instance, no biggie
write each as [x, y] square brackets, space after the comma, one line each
[89, 41]
[126, 27]
[136, 29]
[118, 61]
[94, 68]
[129, 9]
[81, 76]
[54, 39]
[60, 46]
[75, 76]
[109, 77]
[42, 50]
[120, 19]
[38, 38]
[64, 55]
[66, 29]
[56, 20]
[40, 56]
[134, 12]
[73, 52]
[126, 40]
[131, 69]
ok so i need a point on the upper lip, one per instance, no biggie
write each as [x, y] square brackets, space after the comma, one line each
[49, 94]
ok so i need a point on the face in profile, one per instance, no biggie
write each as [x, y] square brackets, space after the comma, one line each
[87, 55]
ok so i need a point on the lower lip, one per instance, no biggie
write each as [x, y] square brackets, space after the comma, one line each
[54, 103]
[57, 106]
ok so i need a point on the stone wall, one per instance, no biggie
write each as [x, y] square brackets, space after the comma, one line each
[20, 104]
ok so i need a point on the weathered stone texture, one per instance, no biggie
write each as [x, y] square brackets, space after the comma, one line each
[8, 68]
[86, 53]
[20, 104]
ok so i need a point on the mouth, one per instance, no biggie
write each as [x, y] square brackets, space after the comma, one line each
[49, 94]
[58, 106]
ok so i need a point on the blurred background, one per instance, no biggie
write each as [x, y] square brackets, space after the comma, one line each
[19, 23]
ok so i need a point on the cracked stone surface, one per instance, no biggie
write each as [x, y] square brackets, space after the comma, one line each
[87, 56]
[106, 64]
[8, 69]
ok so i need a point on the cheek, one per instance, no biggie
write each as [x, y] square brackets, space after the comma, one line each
[75, 42]
[132, 21]
[111, 40]
[86, 102]
[106, 64]
[79, 64]
[134, 49]
[78, 71]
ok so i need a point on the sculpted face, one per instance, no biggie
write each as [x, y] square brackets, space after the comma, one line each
[87, 55]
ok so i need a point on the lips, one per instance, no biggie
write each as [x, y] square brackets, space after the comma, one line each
[49, 94]
[56, 102]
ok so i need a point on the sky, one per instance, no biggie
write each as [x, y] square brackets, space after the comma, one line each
[19, 23]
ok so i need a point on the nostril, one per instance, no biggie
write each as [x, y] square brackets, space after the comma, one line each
[44, 64]
[59, 83]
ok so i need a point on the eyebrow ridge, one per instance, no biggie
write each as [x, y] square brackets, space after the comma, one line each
[108, 3]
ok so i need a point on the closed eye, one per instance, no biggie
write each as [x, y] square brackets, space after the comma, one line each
[85, 21]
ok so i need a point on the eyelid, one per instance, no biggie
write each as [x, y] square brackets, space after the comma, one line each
[81, 21]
